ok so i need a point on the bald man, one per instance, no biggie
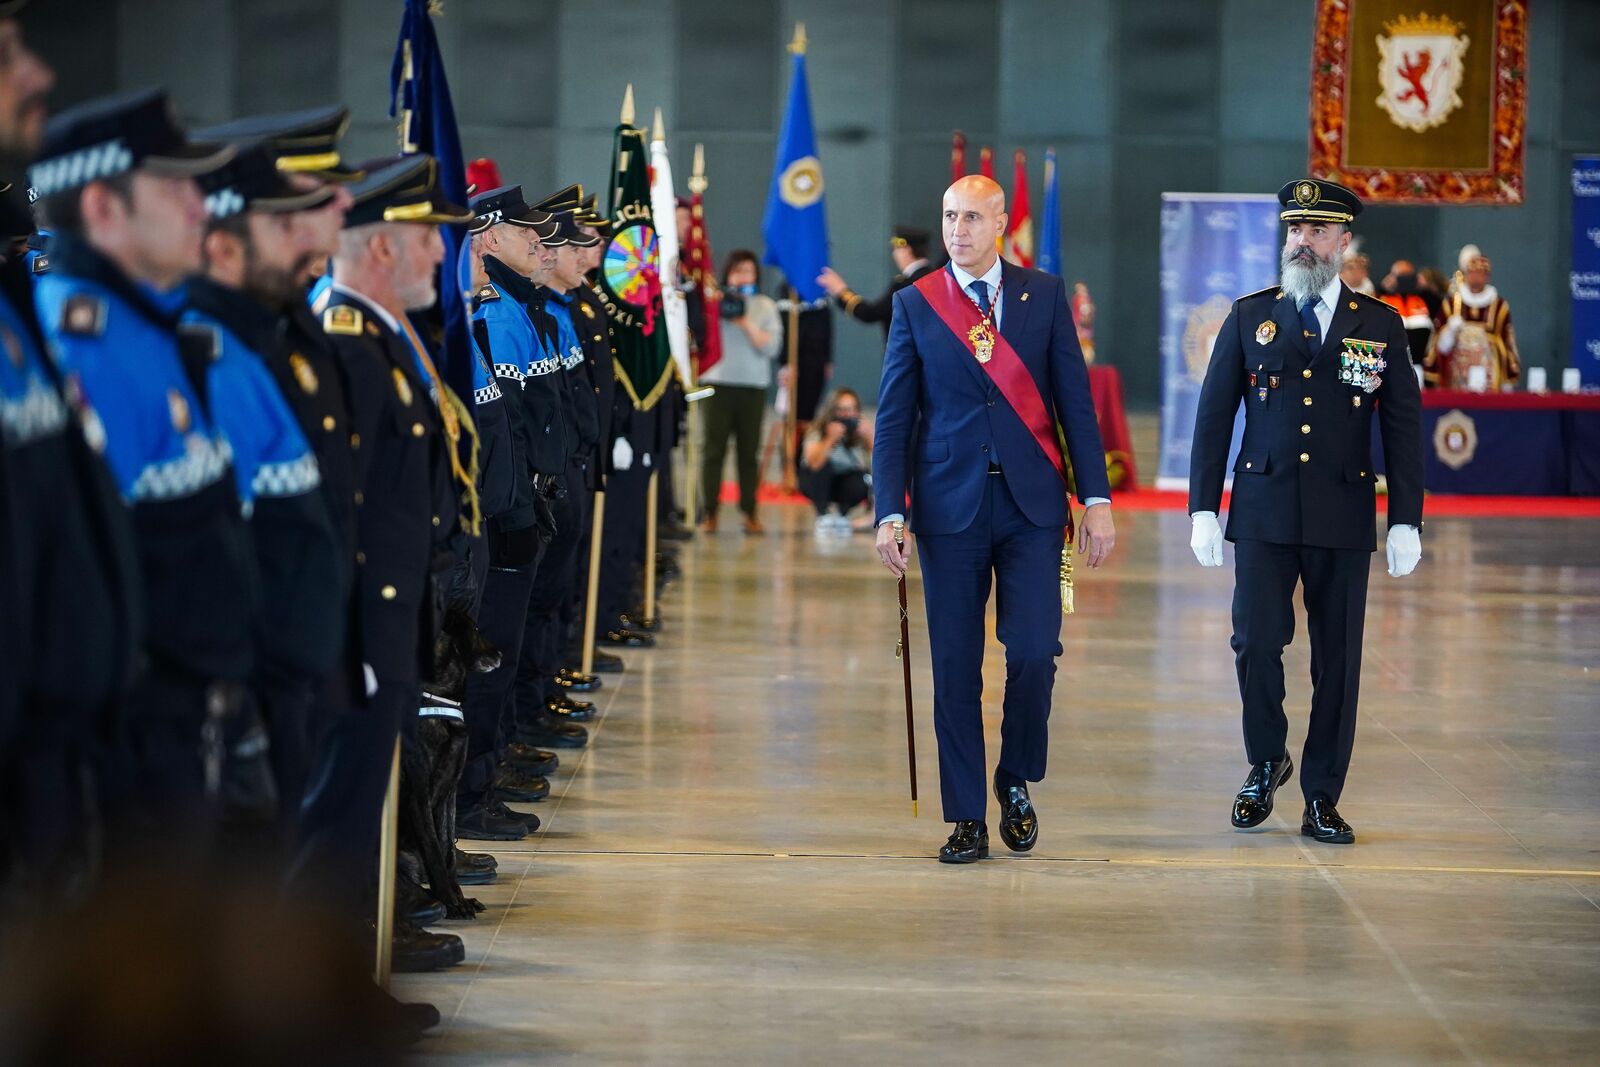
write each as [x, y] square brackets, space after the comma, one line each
[981, 367]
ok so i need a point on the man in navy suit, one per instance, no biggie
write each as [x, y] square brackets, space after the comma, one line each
[982, 365]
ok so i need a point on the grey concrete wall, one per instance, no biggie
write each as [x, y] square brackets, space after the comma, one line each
[1137, 98]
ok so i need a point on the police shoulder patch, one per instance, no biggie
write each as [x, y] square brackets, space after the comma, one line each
[41, 264]
[83, 315]
[486, 294]
[342, 319]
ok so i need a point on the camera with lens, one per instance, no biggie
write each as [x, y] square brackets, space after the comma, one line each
[732, 306]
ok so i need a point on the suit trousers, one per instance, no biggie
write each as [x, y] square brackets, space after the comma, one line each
[1335, 584]
[1023, 563]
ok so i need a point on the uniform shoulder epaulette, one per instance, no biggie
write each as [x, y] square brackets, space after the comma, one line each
[1378, 300]
[342, 319]
[1276, 290]
[587, 310]
[83, 315]
[40, 264]
[487, 293]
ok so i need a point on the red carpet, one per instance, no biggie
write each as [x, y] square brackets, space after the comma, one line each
[1437, 506]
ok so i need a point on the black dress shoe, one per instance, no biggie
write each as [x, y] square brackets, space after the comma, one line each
[606, 662]
[406, 1022]
[482, 824]
[1322, 823]
[1254, 802]
[577, 681]
[475, 868]
[417, 950]
[513, 783]
[465, 860]
[1019, 823]
[674, 531]
[620, 638]
[968, 843]
[531, 759]
[528, 819]
[541, 729]
[425, 913]
[635, 620]
[564, 710]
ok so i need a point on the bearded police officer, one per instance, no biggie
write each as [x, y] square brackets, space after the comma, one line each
[1310, 360]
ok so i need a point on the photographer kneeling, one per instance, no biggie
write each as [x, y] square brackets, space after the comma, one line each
[835, 458]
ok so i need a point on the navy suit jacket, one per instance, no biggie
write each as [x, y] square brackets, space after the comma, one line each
[942, 421]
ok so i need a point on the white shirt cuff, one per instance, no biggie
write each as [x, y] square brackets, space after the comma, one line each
[891, 518]
[1092, 501]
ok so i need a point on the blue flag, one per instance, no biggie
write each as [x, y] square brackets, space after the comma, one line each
[794, 227]
[1049, 259]
[420, 98]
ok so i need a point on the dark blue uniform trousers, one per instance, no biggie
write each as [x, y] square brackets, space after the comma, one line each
[1335, 583]
[1024, 562]
[502, 614]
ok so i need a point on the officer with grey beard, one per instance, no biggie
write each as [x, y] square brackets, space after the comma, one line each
[1310, 360]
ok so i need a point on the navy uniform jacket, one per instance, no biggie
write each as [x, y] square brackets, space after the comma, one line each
[582, 405]
[880, 310]
[400, 445]
[69, 584]
[942, 422]
[518, 346]
[594, 334]
[169, 461]
[1304, 474]
[298, 553]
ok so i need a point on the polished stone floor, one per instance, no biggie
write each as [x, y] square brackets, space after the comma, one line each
[731, 872]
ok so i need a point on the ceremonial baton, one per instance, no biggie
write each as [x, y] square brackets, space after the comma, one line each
[903, 653]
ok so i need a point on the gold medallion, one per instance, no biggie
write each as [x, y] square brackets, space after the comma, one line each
[178, 407]
[1266, 332]
[402, 388]
[982, 341]
[303, 373]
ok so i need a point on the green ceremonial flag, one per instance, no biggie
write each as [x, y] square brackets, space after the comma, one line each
[630, 275]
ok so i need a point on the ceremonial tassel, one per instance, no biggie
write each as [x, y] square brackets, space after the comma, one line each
[1067, 605]
[469, 477]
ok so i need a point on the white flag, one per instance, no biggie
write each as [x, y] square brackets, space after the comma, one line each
[664, 206]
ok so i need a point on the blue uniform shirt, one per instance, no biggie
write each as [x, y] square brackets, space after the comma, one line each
[571, 351]
[271, 457]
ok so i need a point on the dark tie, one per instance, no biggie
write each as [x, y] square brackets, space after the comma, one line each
[980, 290]
[1308, 320]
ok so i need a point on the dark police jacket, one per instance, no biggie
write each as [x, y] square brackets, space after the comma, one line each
[171, 464]
[401, 507]
[599, 352]
[523, 341]
[881, 310]
[1304, 474]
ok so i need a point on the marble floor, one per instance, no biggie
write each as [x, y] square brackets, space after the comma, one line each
[731, 872]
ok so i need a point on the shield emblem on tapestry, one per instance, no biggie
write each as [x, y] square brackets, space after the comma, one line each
[1420, 67]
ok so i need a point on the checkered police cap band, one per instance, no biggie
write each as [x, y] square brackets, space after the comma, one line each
[92, 164]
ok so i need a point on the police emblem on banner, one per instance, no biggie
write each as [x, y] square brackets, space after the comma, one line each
[1421, 60]
[801, 182]
[1200, 335]
[1455, 439]
[303, 374]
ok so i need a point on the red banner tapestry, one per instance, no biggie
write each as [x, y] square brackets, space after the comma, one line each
[1421, 101]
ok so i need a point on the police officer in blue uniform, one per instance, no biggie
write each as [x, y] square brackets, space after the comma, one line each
[251, 271]
[517, 526]
[69, 608]
[116, 181]
[403, 430]
[1310, 360]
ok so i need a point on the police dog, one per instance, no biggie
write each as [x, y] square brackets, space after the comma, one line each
[431, 765]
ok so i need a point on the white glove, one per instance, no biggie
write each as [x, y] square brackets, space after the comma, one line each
[1404, 550]
[622, 454]
[1447, 335]
[1206, 539]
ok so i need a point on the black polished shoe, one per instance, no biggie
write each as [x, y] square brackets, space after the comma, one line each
[968, 843]
[541, 729]
[564, 710]
[606, 662]
[621, 638]
[635, 620]
[532, 760]
[482, 860]
[674, 531]
[513, 783]
[1321, 822]
[1254, 802]
[475, 868]
[482, 824]
[417, 950]
[574, 680]
[1019, 823]
[527, 818]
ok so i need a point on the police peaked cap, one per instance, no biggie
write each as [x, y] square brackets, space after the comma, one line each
[113, 135]
[1314, 200]
[402, 189]
[505, 204]
[251, 181]
[302, 142]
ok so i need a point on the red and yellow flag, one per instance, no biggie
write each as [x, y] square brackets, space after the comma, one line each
[701, 268]
[1019, 238]
[958, 156]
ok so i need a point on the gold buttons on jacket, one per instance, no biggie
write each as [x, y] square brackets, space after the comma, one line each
[1306, 400]
[328, 424]
[1305, 457]
[388, 592]
[360, 498]
[1305, 427]
[355, 440]
[1306, 373]
[436, 520]
[417, 430]
[1248, 464]
[361, 557]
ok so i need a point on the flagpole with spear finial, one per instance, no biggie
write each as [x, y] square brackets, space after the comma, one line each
[791, 416]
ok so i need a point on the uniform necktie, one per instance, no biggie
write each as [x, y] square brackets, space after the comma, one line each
[1308, 320]
[980, 292]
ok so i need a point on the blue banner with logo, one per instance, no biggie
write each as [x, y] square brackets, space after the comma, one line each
[1586, 269]
[1215, 248]
[795, 227]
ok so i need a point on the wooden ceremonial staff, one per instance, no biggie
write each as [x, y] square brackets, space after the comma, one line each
[388, 841]
[790, 478]
[903, 653]
[591, 603]
[650, 506]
